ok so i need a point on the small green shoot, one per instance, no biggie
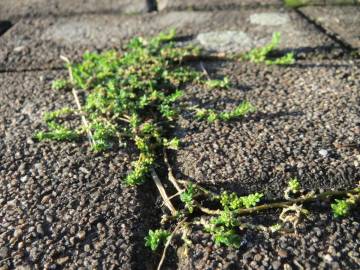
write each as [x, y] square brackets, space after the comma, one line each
[60, 84]
[218, 84]
[294, 185]
[187, 197]
[261, 55]
[233, 202]
[155, 238]
[51, 116]
[174, 143]
[340, 208]
[296, 3]
[211, 116]
[227, 237]
[57, 133]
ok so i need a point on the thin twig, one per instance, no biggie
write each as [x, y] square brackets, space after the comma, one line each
[213, 195]
[205, 71]
[77, 101]
[176, 194]
[171, 176]
[162, 192]
[167, 244]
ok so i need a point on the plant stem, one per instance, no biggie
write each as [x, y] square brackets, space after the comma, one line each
[162, 192]
[167, 244]
[171, 176]
[205, 71]
[77, 101]
[282, 204]
[305, 199]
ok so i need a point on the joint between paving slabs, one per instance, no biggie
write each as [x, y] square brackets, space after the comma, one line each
[152, 5]
[334, 37]
[5, 25]
[31, 70]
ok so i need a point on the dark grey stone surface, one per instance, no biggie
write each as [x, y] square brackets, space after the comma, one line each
[301, 111]
[15, 9]
[60, 205]
[213, 4]
[38, 43]
[341, 21]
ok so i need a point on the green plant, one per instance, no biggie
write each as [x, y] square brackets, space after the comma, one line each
[60, 84]
[131, 97]
[134, 98]
[340, 208]
[57, 133]
[210, 116]
[187, 197]
[222, 84]
[294, 185]
[233, 202]
[296, 3]
[155, 238]
[261, 55]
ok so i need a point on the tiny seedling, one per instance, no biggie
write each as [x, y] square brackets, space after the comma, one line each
[262, 55]
[340, 208]
[218, 84]
[155, 238]
[60, 84]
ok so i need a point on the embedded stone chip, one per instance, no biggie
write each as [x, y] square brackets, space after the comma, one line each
[269, 18]
[225, 40]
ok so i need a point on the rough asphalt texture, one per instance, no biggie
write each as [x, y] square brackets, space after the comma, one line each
[62, 207]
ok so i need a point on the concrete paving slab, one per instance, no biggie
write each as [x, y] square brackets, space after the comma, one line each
[341, 21]
[61, 206]
[322, 242]
[213, 4]
[38, 43]
[15, 9]
[306, 126]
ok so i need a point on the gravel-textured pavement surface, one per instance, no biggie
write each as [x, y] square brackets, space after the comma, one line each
[307, 126]
[37, 43]
[63, 207]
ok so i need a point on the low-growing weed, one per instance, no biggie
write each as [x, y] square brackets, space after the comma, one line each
[135, 97]
[261, 55]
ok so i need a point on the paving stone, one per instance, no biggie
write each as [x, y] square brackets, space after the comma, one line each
[342, 21]
[213, 4]
[305, 250]
[38, 43]
[302, 110]
[49, 218]
[14, 9]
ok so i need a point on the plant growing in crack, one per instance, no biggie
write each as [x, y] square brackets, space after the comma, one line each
[135, 98]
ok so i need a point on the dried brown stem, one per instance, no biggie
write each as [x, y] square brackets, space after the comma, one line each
[167, 244]
[171, 176]
[78, 104]
[162, 192]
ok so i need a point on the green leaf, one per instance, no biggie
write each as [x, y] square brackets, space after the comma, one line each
[188, 197]
[155, 238]
[294, 185]
[340, 208]
[60, 84]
